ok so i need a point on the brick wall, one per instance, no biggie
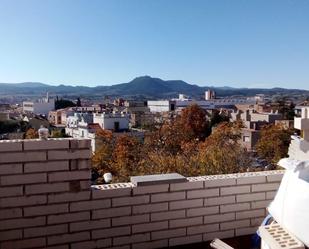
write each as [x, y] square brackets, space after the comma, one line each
[46, 201]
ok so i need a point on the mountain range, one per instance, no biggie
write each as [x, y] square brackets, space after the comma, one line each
[144, 87]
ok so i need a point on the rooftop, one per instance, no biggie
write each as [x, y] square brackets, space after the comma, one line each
[46, 200]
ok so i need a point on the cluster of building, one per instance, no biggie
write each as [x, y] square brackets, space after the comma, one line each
[135, 117]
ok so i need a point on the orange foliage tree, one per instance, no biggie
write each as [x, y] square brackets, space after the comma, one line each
[193, 123]
[31, 134]
[126, 156]
[102, 158]
[180, 145]
[221, 153]
[274, 142]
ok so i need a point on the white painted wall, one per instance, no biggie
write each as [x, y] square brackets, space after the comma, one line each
[39, 107]
[159, 105]
[107, 120]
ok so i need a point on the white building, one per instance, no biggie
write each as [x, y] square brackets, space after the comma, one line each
[39, 107]
[73, 121]
[299, 147]
[161, 105]
[178, 104]
[112, 121]
[85, 130]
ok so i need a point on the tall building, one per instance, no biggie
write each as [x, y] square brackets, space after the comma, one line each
[209, 94]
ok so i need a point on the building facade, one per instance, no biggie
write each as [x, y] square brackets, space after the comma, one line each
[112, 121]
[39, 107]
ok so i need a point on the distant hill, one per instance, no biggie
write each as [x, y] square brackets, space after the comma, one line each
[140, 87]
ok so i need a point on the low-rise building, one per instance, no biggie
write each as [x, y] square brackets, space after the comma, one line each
[161, 105]
[179, 104]
[73, 121]
[39, 107]
[59, 117]
[92, 108]
[85, 131]
[112, 121]
[253, 122]
[4, 116]
[286, 124]
[140, 115]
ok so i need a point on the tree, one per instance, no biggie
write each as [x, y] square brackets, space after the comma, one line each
[31, 134]
[63, 103]
[102, 158]
[58, 133]
[179, 145]
[217, 118]
[221, 152]
[126, 156]
[285, 107]
[78, 102]
[8, 126]
[193, 123]
[273, 143]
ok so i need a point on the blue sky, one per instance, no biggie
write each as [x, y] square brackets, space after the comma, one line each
[220, 43]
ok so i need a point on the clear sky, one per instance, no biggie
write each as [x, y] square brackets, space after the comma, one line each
[262, 43]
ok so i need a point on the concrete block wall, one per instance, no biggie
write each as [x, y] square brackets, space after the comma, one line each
[46, 201]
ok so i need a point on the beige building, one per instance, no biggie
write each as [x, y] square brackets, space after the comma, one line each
[4, 116]
[253, 122]
[59, 117]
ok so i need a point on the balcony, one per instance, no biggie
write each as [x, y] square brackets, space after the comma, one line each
[46, 201]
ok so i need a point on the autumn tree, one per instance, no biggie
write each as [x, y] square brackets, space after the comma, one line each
[31, 134]
[102, 158]
[193, 123]
[181, 144]
[221, 153]
[126, 156]
[273, 143]
[167, 138]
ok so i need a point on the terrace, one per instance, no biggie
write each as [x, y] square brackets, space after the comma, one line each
[47, 201]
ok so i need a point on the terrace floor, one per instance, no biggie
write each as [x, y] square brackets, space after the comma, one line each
[243, 242]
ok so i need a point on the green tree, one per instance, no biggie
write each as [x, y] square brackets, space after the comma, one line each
[7, 126]
[285, 107]
[58, 134]
[63, 103]
[217, 118]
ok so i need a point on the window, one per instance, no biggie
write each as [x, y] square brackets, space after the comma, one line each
[116, 126]
[246, 139]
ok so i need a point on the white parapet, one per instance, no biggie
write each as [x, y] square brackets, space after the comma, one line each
[302, 123]
[299, 147]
